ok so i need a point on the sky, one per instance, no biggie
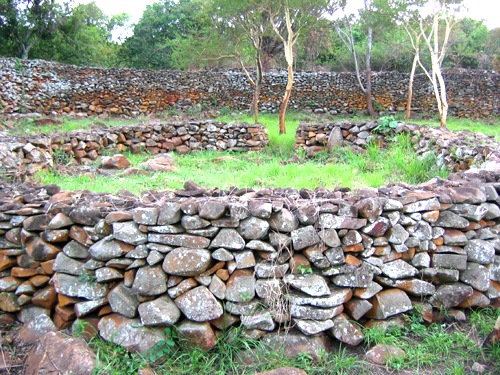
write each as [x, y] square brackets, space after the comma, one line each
[489, 10]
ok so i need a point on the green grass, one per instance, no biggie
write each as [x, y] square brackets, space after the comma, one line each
[257, 170]
[268, 168]
[234, 354]
[28, 127]
[429, 349]
[450, 347]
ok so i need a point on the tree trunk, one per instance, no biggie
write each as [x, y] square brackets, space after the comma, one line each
[444, 99]
[284, 103]
[410, 86]
[368, 92]
[258, 85]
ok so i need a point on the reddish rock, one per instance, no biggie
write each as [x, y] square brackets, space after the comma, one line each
[7, 262]
[78, 234]
[57, 353]
[48, 267]
[22, 272]
[47, 297]
[66, 312]
[35, 329]
[382, 353]
[118, 217]
[39, 280]
[117, 161]
[41, 251]
[477, 299]
[199, 335]
[165, 163]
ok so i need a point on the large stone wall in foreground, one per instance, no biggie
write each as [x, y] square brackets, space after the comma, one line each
[52, 88]
[310, 261]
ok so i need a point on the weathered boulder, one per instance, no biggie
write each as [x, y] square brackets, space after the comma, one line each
[196, 334]
[159, 312]
[123, 301]
[187, 262]
[199, 305]
[129, 333]
[57, 354]
[388, 303]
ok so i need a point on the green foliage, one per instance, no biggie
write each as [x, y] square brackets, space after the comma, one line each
[23, 23]
[386, 123]
[87, 277]
[163, 27]
[163, 348]
[83, 37]
[61, 157]
[303, 269]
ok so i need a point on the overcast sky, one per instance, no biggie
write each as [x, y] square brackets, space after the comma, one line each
[489, 10]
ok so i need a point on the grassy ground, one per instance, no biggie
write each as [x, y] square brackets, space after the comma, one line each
[269, 168]
[449, 349]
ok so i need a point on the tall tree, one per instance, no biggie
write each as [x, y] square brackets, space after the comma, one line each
[26, 22]
[289, 20]
[434, 31]
[159, 30]
[246, 20]
[83, 37]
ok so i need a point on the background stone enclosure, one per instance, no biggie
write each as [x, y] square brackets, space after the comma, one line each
[204, 259]
[52, 88]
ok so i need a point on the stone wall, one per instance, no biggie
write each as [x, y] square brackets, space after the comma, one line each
[87, 145]
[457, 150]
[309, 261]
[52, 88]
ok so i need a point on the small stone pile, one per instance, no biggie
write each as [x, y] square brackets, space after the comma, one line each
[204, 260]
[49, 88]
[458, 150]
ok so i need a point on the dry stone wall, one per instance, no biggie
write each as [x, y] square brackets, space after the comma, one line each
[457, 150]
[86, 145]
[51, 88]
[204, 260]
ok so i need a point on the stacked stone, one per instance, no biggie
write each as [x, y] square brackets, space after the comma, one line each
[458, 150]
[311, 260]
[51, 88]
[181, 137]
[20, 155]
[36, 153]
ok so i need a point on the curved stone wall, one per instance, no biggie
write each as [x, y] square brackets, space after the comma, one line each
[52, 88]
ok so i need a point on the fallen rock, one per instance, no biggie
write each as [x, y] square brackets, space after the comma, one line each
[57, 354]
[293, 344]
[163, 162]
[35, 329]
[382, 353]
[117, 161]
